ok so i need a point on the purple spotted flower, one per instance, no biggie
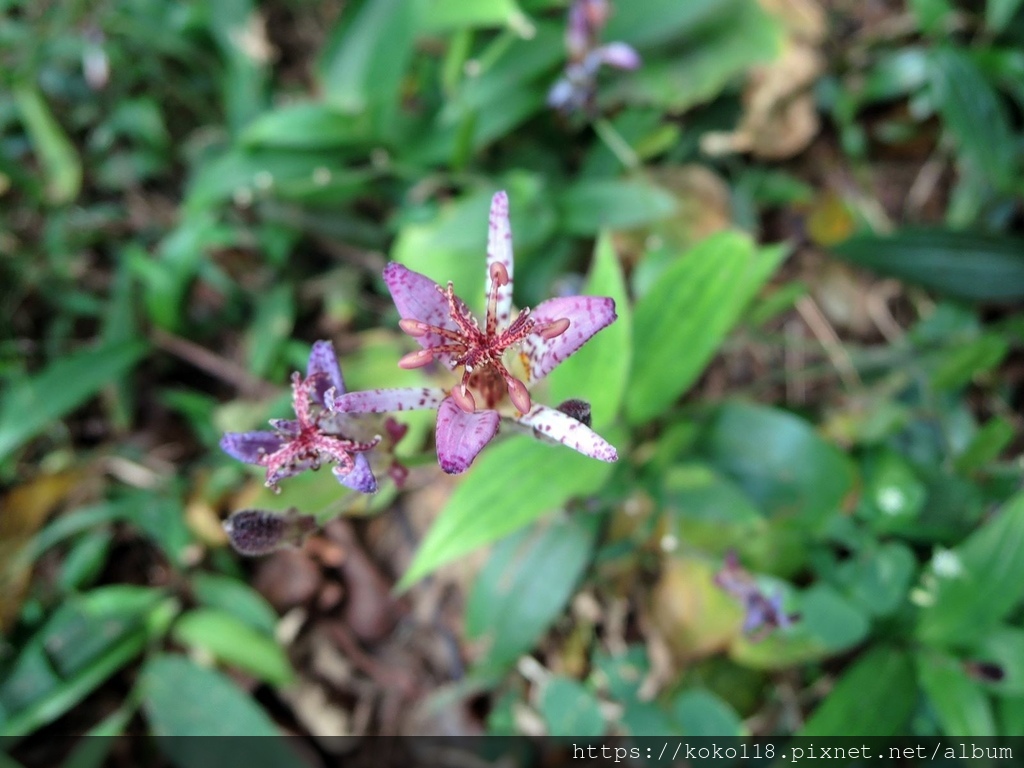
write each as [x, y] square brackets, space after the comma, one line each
[317, 435]
[576, 90]
[498, 360]
[762, 613]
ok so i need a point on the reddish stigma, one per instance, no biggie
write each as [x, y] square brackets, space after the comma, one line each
[478, 350]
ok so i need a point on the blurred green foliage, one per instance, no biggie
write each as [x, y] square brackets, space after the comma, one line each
[177, 178]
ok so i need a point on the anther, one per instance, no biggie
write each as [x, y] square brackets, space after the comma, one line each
[463, 398]
[414, 328]
[499, 275]
[416, 359]
[554, 329]
[519, 395]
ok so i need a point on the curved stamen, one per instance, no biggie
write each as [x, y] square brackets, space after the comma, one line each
[416, 359]
[518, 394]
[463, 398]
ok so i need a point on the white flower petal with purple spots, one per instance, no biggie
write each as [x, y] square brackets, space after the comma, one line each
[563, 428]
[250, 447]
[499, 251]
[461, 436]
[386, 400]
[586, 315]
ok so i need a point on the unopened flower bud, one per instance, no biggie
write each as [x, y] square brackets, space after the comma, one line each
[256, 532]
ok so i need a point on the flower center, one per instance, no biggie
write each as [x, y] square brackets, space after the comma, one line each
[480, 350]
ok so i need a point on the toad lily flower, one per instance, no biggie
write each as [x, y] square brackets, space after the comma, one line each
[762, 613]
[316, 436]
[499, 360]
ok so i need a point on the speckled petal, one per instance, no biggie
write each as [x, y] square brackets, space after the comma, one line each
[250, 447]
[587, 315]
[558, 426]
[499, 250]
[323, 360]
[385, 400]
[417, 297]
[360, 478]
[461, 436]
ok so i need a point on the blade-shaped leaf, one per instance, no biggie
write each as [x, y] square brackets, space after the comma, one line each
[508, 487]
[679, 325]
[961, 705]
[28, 406]
[961, 265]
[234, 642]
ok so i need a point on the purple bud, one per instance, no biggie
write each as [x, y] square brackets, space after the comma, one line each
[254, 532]
[578, 409]
[619, 55]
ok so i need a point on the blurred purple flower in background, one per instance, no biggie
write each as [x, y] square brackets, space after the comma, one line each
[576, 90]
[317, 435]
[499, 360]
[762, 613]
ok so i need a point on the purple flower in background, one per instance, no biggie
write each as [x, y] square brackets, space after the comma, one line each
[762, 613]
[576, 90]
[316, 436]
[500, 359]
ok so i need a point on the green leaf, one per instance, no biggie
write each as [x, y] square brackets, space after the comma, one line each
[447, 15]
[525, 584]
[716, 54]
[680, 324]
[961, 265]
[878, 577]
[655, 22]
[235, 597]
[999, 13]
[958, 366]
[570, 709]
[1003, 646]
[56, 153]
[599, 371]
[305, 126]
[874, 697]
[975, 115]
[362, 66]
[232, 641]
[508, 487]
[587, 207]
[270, 329]
[986, 445]
[181, 698]
[28, 406]
[702, 713]
[780, 462]
[962, 707]
[985, 586]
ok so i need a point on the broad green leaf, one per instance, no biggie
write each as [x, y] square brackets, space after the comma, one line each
[986, 445]
[999, 13]
[270, 329]
[28, 406]
[702, 713]
[570, 709]
[181, 698]
[446, 15]
[984, 582]
[1004, 647]
[716, 54]
[524, 586]
[879, 576]
[587, 207]
[874, 697]
[975, 115]
[655, 22]
[55, 152]
[237, 27]
[232, 641]
[780, 462]
[235, 597]
[958, 366]
[599, 371]
[894, 495]
[680, 324]
[961, 265]
[509, 486]
[362, 66]
[961, 705]
[305, 126]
